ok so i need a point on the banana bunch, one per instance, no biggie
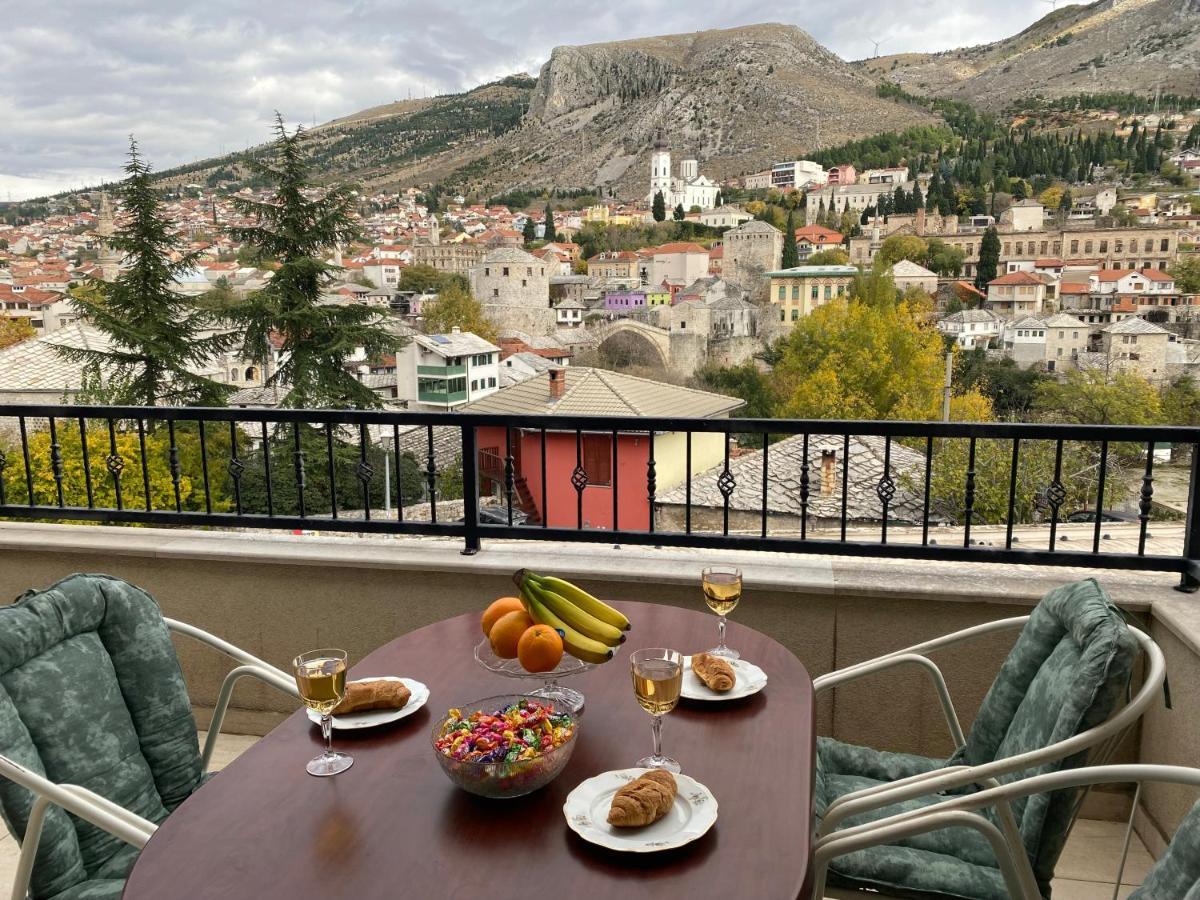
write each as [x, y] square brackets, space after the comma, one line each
[589, 627]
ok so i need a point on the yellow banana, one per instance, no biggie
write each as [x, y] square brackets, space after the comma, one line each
[588, 626]
[580, 646]
[597, 609]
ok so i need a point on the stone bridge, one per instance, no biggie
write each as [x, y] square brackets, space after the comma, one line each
[658, 339]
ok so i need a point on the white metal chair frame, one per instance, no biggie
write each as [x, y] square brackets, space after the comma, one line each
[1106, 735]
[100, 811]
[960, 811]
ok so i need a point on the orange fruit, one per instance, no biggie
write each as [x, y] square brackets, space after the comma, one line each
[507, 632]
[498, 608]
[539, 649]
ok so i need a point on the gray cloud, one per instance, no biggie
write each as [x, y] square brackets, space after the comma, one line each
[190, 80]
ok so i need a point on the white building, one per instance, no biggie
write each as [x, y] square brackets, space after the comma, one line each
[895, 175]
[1026, 215]
[724, 217]
[907, 273]
[445, 371]
[972, 328]
[1131, 281]
[855, 197]
[569, 313]
[798, 174]
[688, 189]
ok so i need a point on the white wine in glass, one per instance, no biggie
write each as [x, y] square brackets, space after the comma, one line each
[722, 587]
[321, 680]
[657, 681]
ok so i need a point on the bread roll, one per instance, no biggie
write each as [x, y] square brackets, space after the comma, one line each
[362, 696]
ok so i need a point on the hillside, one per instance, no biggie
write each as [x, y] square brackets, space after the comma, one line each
[1131, 46]
[739, 99]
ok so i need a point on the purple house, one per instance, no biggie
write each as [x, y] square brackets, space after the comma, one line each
[624, 301]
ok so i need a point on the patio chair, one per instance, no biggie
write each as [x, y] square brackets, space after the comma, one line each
[95, 721]
[1176, 875]
[1050, 705]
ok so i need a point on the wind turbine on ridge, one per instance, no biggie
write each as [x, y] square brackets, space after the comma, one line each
[877, 43]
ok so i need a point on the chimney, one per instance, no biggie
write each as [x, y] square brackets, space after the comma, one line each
[828, 472]
[558, 382]
[920, 224]
[456, 330]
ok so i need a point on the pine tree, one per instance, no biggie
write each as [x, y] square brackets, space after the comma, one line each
[157, 337]
[989, 258]
[679, 213]
[659, 209]
[791, 255]
[295, 228]
[918, 200]
[720, 201]
[548, 232]
[529, 232]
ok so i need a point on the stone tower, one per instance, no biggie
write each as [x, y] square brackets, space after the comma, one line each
[109, 258]
[435, 230]
[660, 167]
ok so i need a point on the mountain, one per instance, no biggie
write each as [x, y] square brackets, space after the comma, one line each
[1134, 46]
[738, 99]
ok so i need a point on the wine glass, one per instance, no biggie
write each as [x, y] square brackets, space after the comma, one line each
[321, 678]
[722, 591]
[657, 681]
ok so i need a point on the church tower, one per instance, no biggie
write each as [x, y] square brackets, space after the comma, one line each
[660, 168]
[109, 258]
[435, 230]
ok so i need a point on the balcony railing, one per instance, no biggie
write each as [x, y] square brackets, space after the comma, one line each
[439, 371]
[288, 469]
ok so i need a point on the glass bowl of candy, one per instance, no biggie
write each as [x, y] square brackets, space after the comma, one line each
[505, 746]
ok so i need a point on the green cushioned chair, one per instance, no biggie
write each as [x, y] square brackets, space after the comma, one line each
[95, 721]
[1051, 704]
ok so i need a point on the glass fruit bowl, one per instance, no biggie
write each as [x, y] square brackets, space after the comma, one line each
[502, 779]
[568, 698]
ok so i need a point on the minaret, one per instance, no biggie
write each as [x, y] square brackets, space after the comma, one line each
[660, 168]
[435, 230]
[109, 259]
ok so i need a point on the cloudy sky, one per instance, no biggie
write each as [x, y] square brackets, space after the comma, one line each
[192, 79]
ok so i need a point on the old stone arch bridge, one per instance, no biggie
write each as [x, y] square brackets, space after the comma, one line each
[658, 340]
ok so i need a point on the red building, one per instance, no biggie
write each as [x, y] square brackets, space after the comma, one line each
[594, 460]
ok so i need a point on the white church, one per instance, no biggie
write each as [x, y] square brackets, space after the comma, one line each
[688, 190]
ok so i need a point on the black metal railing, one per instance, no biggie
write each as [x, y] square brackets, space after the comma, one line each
[927, 491]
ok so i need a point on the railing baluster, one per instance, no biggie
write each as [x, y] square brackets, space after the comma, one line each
[651, 480]
[364, 471]
[87, 466]
[885, 490]
[508, 473]
[399, 484]
[725, 484]
[1146, 498]
[804, 483]
[25, 455]
[332, 464]
[928, 480]
[687, 486]
[579, 480]
[1056, 493]
[236, 467]
[762, 525]
[845, 480]
[141, 429]
[3, 466]
[266, 449]
[114, 463]
[1101, 472]
[173, 461]
[470, 478]
[298, 460]
[56, 462]
[204, 466]
[969, 495]
[545, 493]
[615, 511]
[1012, 492]
[431, 474]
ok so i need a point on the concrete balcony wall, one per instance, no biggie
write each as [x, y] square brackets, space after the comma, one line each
[276, 595]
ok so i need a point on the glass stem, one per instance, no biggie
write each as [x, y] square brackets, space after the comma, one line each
[656, 729]
[721, 632]
[327, 731]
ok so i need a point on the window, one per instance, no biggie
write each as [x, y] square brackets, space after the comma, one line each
[233, 374]
[491, 382]
[1165, 246]
[1104, 246]
[529, 270]
[474, 384]
[815, 292]
[795, 314]
[505, 271]
[1149, 245]
[495, 292]
[782, 315]
[1074, 335]
[1008, 249]
[1020, 247]
[1118, 246]
[782, 292]
[523, 283]
[1074, 247]
[683, 326]
[828, 291]
[251, 373]
[795, 292]
[597, 459]
[487, 270]
[841, 289]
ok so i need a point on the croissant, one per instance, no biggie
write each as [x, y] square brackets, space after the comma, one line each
[643, 801]
[715, 672]
[376, 694]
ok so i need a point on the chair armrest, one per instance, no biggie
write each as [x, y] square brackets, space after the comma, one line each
[271, 676]
[883, 663]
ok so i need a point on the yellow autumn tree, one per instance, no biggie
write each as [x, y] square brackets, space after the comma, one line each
[13, 331]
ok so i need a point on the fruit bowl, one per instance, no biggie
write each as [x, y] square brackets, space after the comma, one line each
[503, 780]
[571, 700]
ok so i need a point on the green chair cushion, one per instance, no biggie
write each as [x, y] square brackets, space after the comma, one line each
[1065, 674]
[91, 694]
[1177, 872]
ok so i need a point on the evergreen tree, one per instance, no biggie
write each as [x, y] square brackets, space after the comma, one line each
[659, 209]
[791, 255]
[900, 201]
[548, 232]
[720, 201]
[918, 200]
[529, 232]
[989, 258]
[295, 228]
[157, 336]
[679, 213]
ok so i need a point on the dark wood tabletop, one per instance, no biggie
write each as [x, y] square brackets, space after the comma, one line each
[393, 826]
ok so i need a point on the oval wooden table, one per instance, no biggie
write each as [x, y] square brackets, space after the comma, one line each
[393, 826]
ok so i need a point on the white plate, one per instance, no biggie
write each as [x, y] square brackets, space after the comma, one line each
[586, 810]
[750, 680]
[372, 717]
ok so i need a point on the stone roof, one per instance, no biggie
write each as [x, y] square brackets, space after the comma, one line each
[599, 392]
[1062, 320]
[1028, 322]
[972, 315]
[785, 465]
[35, 365]
[457, 343]
[755, 226]
[512, 255]
[1134, 325]
[906, 268]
